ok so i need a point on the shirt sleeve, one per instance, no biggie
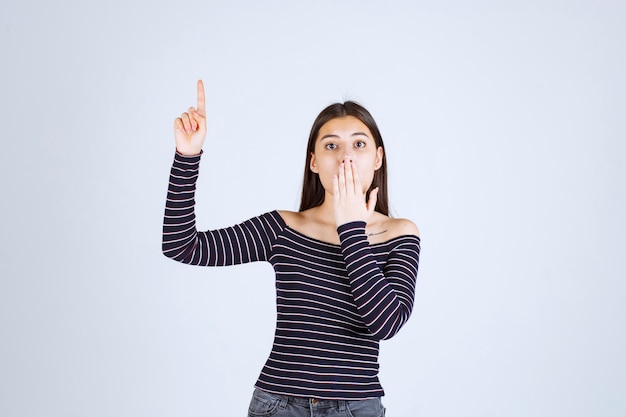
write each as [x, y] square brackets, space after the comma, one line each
[249, 241]
[384, 298]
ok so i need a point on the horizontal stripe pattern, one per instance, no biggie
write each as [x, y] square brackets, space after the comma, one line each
[246, 242]
[334, 302]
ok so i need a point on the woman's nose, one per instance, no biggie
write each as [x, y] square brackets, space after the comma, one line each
[346, 156]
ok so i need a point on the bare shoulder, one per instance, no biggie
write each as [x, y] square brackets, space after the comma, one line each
[290, 218]
[299, 220]
[401, 227]
[311, 224]
[383, 228]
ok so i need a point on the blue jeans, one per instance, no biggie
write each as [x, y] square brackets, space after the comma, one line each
[264, 404]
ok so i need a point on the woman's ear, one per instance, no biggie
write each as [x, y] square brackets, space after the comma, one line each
[313, 164]
[379, 156]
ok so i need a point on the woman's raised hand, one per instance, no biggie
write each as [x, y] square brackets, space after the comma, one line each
[348, 196]
[190, 127]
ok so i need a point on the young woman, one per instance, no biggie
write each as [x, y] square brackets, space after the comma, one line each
[345, 270]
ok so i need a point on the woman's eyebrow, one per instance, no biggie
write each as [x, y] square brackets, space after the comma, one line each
[331, 135]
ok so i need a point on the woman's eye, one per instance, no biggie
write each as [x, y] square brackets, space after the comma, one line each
[330, 146]
[359, 144]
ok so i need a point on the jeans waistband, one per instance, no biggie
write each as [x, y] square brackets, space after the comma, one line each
[310, 401]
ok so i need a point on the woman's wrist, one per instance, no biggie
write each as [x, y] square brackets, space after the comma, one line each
[188, 153]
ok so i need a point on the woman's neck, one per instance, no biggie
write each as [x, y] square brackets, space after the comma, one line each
[325, 212]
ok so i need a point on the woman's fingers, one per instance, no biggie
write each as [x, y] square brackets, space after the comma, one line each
[342, 179]
[193, 118]
[356, 181]
[190, 127]
[201, 99]
[348, 180]
[336, 186]
[190, 120]
[349, 177]
[186, 122]
[349, 197]
[350, 201]
[371, 203]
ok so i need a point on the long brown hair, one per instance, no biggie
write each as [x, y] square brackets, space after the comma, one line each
[312, 190]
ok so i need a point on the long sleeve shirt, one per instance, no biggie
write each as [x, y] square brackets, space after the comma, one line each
[334, 302]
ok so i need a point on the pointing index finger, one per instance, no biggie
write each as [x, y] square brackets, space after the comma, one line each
[201, 109]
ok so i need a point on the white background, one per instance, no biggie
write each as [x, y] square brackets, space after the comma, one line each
[505, 131]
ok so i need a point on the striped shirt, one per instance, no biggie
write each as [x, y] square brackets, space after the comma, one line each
[334, 302]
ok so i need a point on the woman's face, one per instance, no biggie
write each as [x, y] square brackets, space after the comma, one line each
[342, 139]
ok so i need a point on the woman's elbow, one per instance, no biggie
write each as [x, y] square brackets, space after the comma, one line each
[182, 255]
[390, 328]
